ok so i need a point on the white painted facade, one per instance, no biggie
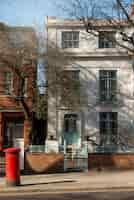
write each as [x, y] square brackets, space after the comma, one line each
[89, 59]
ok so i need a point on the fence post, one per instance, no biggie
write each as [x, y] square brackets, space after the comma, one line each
[65, 159]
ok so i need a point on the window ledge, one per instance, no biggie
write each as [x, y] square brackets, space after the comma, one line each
[95, 52]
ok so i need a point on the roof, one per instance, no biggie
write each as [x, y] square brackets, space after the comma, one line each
[60, 22]
[17, 37]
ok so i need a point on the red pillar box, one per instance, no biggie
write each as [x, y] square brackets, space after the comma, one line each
[12, 166]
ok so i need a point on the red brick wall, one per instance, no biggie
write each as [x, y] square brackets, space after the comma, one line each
[8, 102]
[117, 161]
[43, 162]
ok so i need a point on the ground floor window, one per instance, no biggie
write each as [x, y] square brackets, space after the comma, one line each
[13, 130]
[108, 130]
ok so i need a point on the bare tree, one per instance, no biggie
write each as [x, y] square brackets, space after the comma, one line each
[118, 15]
[18, 53]
[93, 14]
[60, 80]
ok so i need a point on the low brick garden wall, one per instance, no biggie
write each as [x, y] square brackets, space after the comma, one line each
[111, 160]
[36, 163]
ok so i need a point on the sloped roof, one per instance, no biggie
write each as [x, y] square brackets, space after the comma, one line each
[17, 37]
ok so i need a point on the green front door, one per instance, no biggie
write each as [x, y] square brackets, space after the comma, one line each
[71, 132]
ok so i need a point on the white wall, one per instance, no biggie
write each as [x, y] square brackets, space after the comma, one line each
[89, 66]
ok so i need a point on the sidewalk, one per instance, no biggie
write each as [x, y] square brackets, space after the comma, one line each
[72, 182]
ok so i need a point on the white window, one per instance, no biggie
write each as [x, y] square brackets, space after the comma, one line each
[70, 39]
[108, 85]
[70, 87]
[106, 39]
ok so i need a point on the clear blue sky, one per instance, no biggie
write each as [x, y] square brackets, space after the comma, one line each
[27, 12]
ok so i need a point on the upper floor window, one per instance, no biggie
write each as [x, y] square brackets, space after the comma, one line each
[22, 88]
[7, 83]
[106, 39]
[70, 87]
[108, 85]
[70, 39]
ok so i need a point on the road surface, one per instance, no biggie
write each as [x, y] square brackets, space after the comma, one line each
[73, 196]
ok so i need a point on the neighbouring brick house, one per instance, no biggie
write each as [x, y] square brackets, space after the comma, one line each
[104, 123]
[13, 126]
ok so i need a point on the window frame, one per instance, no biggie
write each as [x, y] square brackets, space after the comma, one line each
[9, 131]
[25, 88]
[74, 86]
[107, 85]
[104, 41]
[67, 42]
[108, 128]
[8, 91]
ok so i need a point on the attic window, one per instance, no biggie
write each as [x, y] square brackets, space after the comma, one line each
[70, 39]
[106, 39]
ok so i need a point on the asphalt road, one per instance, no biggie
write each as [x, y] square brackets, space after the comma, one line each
[73, 196]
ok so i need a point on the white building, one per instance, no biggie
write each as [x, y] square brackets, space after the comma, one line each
[106, 114]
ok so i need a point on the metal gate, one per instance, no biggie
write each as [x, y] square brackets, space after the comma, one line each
[75, 159]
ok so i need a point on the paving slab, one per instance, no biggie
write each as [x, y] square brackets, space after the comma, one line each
[72, 182]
